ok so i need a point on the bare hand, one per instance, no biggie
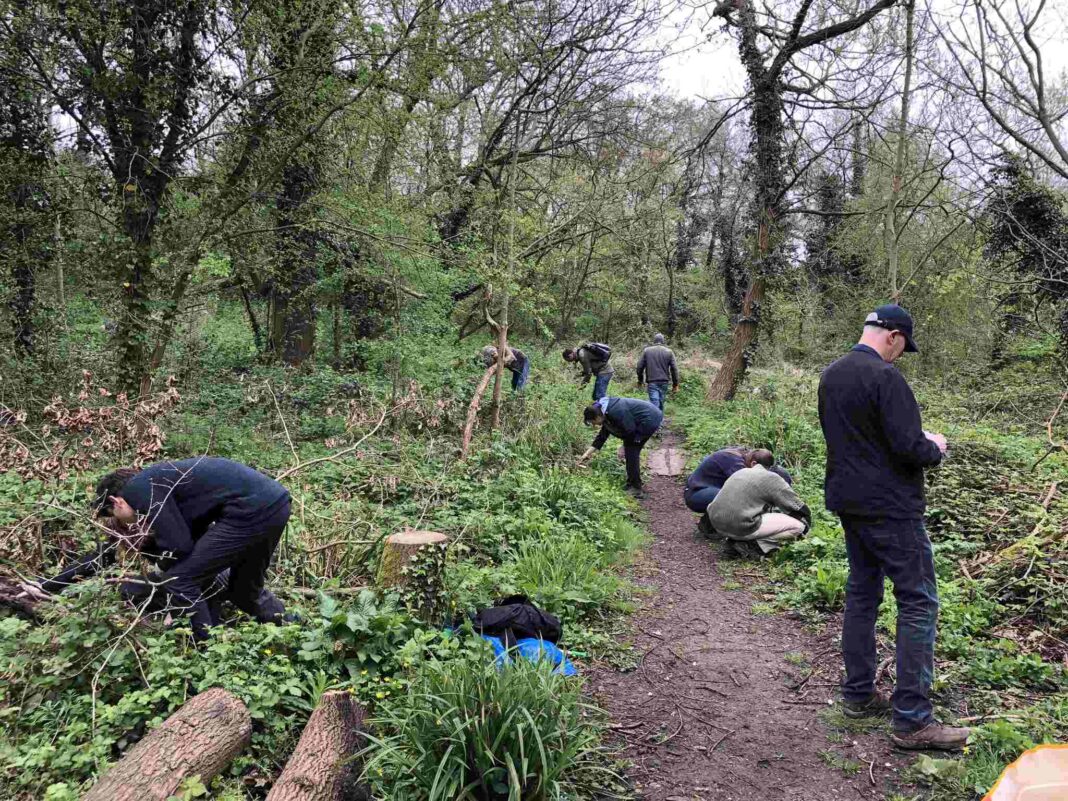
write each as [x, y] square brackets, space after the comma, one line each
[937, 439]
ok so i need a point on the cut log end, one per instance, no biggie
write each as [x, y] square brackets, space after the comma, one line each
[323, 766]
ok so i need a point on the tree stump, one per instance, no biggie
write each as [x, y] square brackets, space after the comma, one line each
[323, 767]
[199, 739]
[413, 564]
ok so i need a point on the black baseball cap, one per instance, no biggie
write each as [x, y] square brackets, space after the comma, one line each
[893, 318]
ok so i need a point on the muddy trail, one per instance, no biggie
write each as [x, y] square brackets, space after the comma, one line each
[725, 704]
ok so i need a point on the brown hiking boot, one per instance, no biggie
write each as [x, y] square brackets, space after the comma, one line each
[933, 735]
[875, 707]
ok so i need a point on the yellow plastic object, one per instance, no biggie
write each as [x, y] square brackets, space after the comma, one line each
[1040, 774]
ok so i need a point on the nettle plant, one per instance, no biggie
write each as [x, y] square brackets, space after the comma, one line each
[72, 433]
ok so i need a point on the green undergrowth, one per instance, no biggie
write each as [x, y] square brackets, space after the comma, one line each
[1000, 556]
[82, 686]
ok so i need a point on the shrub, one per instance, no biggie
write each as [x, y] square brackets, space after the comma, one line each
[468, 730]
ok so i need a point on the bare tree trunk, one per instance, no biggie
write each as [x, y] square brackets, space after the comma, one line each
[891, 232]
[472, 409]
[323, 768]
[200, 739]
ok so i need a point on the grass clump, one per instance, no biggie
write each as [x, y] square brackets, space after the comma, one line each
[469, 730]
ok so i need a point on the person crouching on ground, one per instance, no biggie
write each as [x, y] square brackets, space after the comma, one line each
[757, 506]
[517, 362]
[202, 516]
[632, 420]
[708, 479]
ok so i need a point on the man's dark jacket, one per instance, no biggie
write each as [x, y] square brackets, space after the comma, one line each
[715, 469]
[876, 448]
[630, 419]
[183, 498]
[657, 364]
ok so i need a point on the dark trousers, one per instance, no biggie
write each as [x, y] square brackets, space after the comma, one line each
[246, 551]
[698, 500]
[901, 551]
[658, 393]
[520, 376]
[632, 451]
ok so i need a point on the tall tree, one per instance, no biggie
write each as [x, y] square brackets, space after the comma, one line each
[768, 45]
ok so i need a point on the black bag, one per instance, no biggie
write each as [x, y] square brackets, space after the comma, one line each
[599, 351]
[515, 618]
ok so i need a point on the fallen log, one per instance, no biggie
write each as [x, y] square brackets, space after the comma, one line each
[17, 600]
[200, 739]
[323, 767]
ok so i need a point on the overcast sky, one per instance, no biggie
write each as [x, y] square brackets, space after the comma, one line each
[699, 68]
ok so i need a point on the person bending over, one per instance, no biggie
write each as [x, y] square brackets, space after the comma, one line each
[517, 362]
[633, 421]
[757, 506]
[595, 358]
[203, 516]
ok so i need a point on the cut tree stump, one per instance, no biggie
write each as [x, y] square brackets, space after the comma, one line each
[413, 564]
[323, 766]
[200, 739]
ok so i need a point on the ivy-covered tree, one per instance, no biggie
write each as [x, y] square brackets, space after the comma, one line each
[1028, 239]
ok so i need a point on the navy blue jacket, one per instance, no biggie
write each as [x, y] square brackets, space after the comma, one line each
[714, 470]
[630, 419]
[876, 448]
[181, 499]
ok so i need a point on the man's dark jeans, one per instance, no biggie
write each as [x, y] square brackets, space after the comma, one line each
[246, 551]
[600, 386]
[901, 551]
[698, 500]
[658, 393]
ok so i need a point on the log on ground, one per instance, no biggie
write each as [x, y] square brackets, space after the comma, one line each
[200, 739]
[323, 766]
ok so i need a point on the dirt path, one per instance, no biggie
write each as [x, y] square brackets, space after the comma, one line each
[719, 706]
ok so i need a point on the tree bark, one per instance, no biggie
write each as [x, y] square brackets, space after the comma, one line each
[891, 231]
[323, 766]
[200, 739]
[472, 409]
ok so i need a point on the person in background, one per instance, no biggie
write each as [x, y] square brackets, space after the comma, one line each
[876, 453]
[655, 367]
[596, 361]
[202, 516]
[708, 479]
[517, 362]
[632, 420]
[757, 506]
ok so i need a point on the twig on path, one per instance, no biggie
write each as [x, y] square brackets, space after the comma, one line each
[721, 739]
[803, 703]
[736, 684]
[871, 772]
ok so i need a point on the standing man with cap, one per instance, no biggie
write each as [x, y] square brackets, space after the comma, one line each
[876, 453]
[657, 365]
